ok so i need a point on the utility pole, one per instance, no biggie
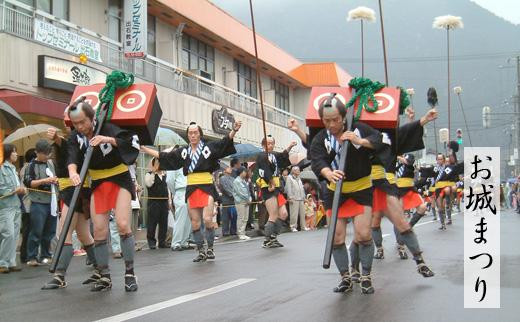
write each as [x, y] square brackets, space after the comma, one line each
[517, 112]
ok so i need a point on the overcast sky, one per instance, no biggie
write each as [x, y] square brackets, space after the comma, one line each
[507, 9]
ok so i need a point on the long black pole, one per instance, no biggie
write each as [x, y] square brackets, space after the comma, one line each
[337, 194]
[258, 78]
[383, 39]
[82, 175]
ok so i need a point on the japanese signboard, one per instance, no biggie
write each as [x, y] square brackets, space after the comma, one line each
[482, 227]
[135, 28]
[65, 40]
[60, 74]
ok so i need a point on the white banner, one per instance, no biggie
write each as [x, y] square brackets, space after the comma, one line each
[135, 28]
[63, 39]
[482, 227]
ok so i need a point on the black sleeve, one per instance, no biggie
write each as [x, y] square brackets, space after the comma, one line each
[283, 159]
[264, 167]
[172, 160]
[372, 135]
[410, 137]
[127, 142]
[320, 158]
[73, 151]
[459, 169]
[222, 148]
[426, 172]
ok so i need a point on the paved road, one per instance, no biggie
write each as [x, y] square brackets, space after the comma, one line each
[248, 283]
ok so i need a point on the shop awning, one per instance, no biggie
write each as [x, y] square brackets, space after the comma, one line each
[27, 103]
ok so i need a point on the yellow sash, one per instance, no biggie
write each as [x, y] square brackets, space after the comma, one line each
[200, 178]
[405, 182]
[354, 186]
[65, 182]
[390, 178]
[96, 174]
[378, 172]
[263, 184]
[443, 184]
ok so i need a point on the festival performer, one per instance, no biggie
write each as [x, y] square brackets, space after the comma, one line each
[199, 160]
[270, 165]
[410, 197]
[80, 220]
[386, 196]
[356, 198]
[112, 186]
[448, 172]
[427, 182]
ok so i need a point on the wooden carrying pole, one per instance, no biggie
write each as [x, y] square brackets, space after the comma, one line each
[337, 194]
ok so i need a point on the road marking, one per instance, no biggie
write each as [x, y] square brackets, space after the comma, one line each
[176, 301]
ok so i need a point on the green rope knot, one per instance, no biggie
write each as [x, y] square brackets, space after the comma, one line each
[365, 90]
[116, 80]
[404, 100]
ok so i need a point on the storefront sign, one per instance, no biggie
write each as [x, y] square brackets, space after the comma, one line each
[135, 28]
[63, 39]
[60, 74]
[222, 121]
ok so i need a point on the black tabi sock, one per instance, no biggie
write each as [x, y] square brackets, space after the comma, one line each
[354, 255]
[66, 256]
[377, 236]
[101, 252]
[210, 237]
[91, 255]
[128, 250]
[410, 240]
[269, 230]
[415, 218]
[366, 255]
[339, 252]
[198, 239]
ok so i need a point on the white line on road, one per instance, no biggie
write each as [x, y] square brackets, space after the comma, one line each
[176, 301]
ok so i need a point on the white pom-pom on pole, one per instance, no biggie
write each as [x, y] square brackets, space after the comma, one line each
[362, 14]
[457, 90]
[448, 22]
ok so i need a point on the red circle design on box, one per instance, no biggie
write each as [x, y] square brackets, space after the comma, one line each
[91, 98]
[131, 101]
[385, 102]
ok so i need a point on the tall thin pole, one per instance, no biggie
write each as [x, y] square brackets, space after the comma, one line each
[465, 122]
[258, 80]
[362, 52]
[435, 133]
[383, 38]
[449, 85]
[517, 110]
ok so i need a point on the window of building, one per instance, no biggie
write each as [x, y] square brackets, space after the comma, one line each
[58, 8]
[197, 55]
[151, 35]
[114, 13]
[246, 79]
[281, 95]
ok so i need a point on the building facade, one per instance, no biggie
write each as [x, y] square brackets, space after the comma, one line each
[200, 58]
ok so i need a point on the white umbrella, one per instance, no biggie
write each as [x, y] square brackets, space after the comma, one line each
[26, 137]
